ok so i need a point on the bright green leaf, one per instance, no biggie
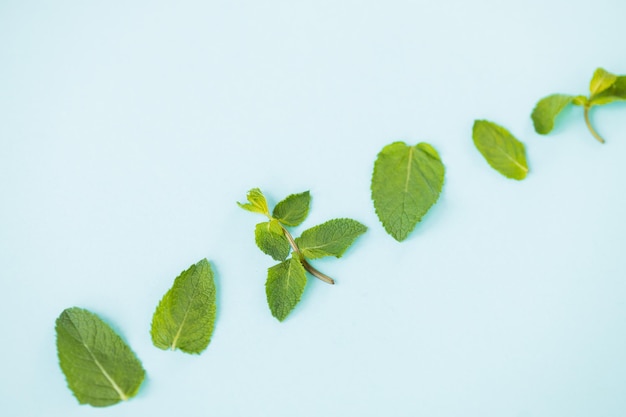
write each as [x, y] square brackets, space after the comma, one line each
[546, 111]
[256, 202]
[185, 316]
[99, 367]
[501, 149]
[273, 244]
[601, 80]
[293, 210]
[284, 287]
[331, 238]
[616, 92]
[406, 183]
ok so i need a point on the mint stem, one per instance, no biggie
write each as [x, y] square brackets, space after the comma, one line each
[317, 274]
[590, 127]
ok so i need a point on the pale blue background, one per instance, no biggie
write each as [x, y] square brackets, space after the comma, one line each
[129, 129]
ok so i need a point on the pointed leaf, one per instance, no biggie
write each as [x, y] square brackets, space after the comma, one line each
[546, 111]
[284, 287]
[501, 150]
[406, 183]
[273, 244]
[293, 210]
[601, 80]
[99, 367]
[185, 316]
[332, 238]
[616, 92]
[256, 202]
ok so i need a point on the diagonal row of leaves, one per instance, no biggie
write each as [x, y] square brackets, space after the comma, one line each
[407, 180]
[287, 279]
[102, 370]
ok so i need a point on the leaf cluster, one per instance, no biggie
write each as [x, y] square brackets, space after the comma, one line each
[286, 280]
[604, 88]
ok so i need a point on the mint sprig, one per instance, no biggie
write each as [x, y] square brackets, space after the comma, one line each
[286, 280]
[604, 88]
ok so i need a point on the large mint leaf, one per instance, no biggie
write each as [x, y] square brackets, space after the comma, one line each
[270, 242]
[501, 149]
[331, 238]
[284, 287]
[256, 202]
[546, 111]
[185, 316]
[406, 182]
[293, 210]
[99, 367]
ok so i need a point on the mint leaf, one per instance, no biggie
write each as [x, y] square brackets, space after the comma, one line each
[615, 92]
[546, 111]
[293, 210]
[331, 238]
[406, 183]
[256, 202]
[99, 367]
[284, 287]
[501, 149]
[185, 316]
[271, 243]
[601, 80]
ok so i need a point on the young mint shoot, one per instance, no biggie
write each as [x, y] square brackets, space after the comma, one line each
[604, 88]
[287, 279]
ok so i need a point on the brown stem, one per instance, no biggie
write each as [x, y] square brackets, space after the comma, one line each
[317, 274]
[590, 127]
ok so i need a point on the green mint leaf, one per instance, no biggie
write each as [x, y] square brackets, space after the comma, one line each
[406, 182]
[546, 111]
[293, 210]
[615, 92]
[331, 238]
[601, 80]
[256, 202]
[501, 149]
[284, 287]
[185, 316]
[99, 367]
[271, 243]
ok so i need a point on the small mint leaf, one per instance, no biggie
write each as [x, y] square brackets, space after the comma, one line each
[331, 238]
[271, 243]
[601, 80]
[284, 287]
[616, 92]
[501, 149]
[293, 210]
[546, 111]
[256, 202]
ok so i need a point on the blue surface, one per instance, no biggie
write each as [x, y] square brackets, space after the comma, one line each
[128, 130]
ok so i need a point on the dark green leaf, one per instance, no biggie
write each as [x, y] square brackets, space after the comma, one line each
[100, 368]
